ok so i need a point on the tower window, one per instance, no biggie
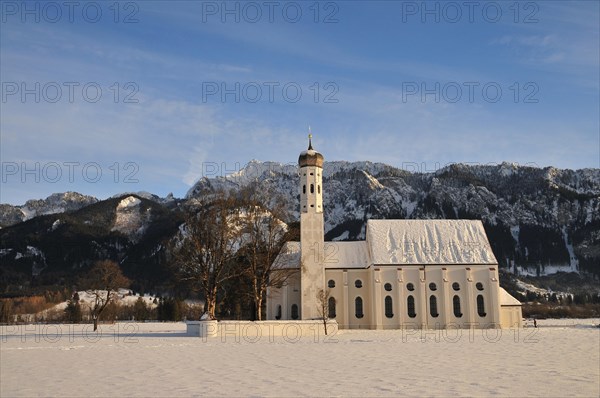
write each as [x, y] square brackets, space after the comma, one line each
[312, 174]
[388, 287]
[433, 306]
[358, 308]
[318, 188]
[456, 306]
[479, 286]
[312, 188]
[432, 287]
[331, 284]
[389, 308]
[294, 311]
[456, 286]
[410, 287]
[303, 188]
[331, 307]
[480, 306]
[358, 283]
[410, 306]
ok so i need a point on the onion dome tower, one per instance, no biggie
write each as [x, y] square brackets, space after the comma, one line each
[312, 234]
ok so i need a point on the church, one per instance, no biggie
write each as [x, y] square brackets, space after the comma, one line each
[426, 274]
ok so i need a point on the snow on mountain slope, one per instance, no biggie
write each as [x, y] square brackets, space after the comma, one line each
[538, 221]
[53, 204]
[528, 209]
[130, 220]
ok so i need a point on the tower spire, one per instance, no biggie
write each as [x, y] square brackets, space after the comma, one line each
[310, 148]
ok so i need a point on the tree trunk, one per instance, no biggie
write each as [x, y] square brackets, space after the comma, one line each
[259, 307]
[211, 302]
[257, 314]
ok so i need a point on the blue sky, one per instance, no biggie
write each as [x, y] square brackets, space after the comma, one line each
[192, 87]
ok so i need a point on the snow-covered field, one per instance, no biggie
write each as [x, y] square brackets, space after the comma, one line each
[559, 358]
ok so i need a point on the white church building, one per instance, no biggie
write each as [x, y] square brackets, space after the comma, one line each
[426, 274]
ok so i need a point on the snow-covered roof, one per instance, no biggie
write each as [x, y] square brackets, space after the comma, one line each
[428, 242]
[507, 299]
[346, 254]
[309, 152]
[408, 242]
[337, 255]
[288, 257]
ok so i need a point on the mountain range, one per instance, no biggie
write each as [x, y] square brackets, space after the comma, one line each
[539, 221]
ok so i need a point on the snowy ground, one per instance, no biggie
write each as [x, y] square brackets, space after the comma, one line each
[559, 358]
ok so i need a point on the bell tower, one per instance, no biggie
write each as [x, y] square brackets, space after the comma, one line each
[312, 238]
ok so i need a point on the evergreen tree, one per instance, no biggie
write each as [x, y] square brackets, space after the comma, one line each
[73, 310]
[140, 310]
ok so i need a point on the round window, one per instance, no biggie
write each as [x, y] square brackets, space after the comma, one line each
[479, 286]
[410, 287]
[456, 286]
[331, 284]
[388, 287]
[358, 283]
[432, 287]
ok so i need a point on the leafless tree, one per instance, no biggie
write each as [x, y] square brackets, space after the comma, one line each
[102, 282]
[205, 252]
[323, 297]
[264, 234]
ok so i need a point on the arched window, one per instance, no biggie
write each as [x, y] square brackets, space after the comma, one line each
[479, 286]
[303, 188]
[480, 306]
[331, 307]
[358, 308]
[456, 306]
[410, 287]
[312, 188]
[358, 283]
[433, 306]
[331, 284]
[278, 314]
[389, 307]
[456, 286]
[432, 287]
[410, 306]
[294, 311]
[388, 287]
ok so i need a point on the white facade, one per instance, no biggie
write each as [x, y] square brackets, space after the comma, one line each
[406, 274]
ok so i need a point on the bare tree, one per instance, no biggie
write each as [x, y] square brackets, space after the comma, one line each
[323, 297]
[264, 234]
[102, 282]
[205, 254]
